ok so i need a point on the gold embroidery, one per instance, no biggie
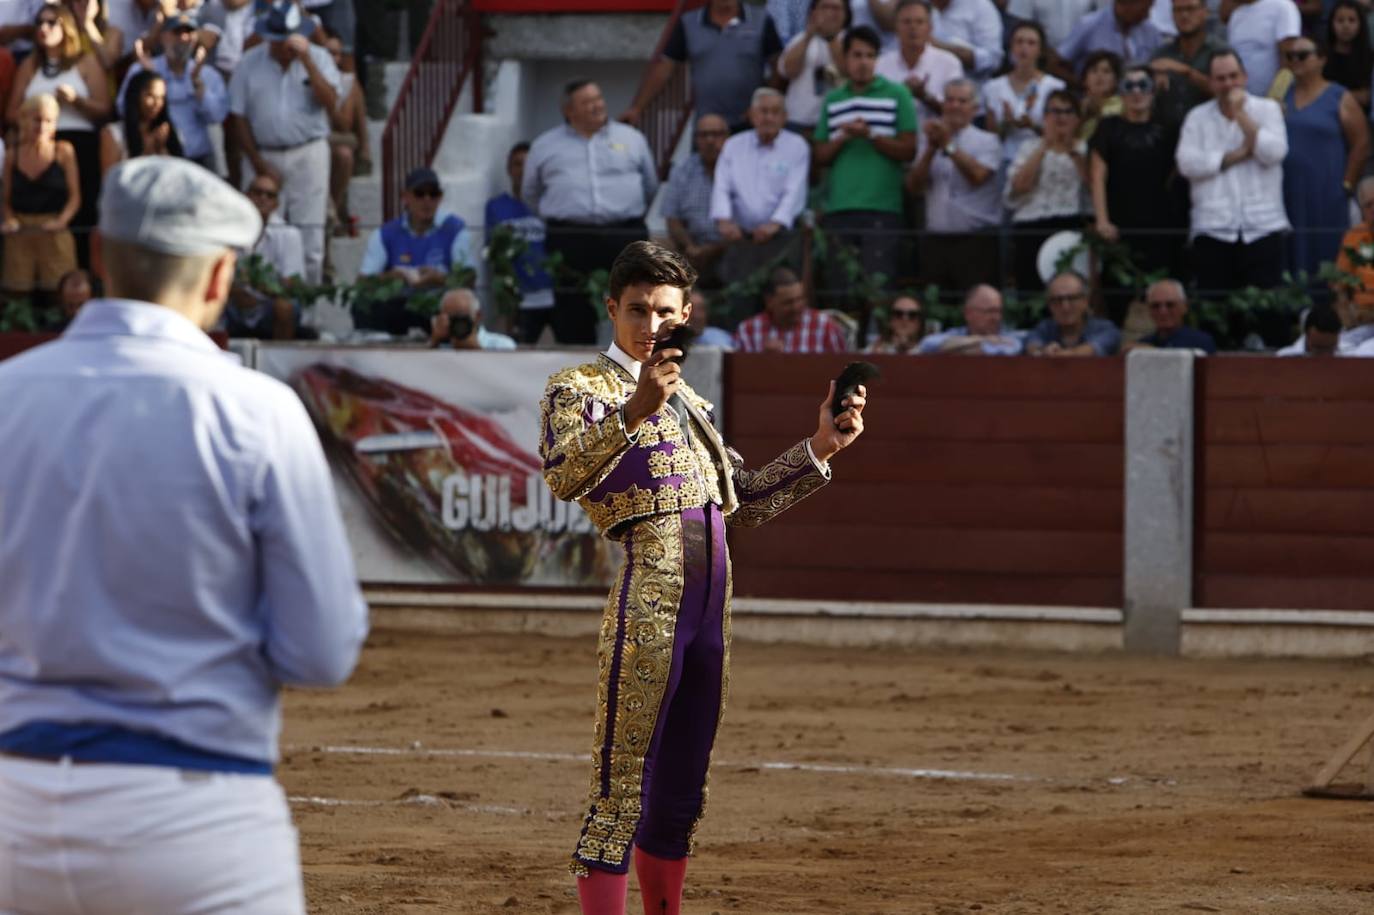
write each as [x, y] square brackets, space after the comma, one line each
[636, 503]
[580, 454]
[654, 559]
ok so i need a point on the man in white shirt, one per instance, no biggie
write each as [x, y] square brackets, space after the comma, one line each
[759, 189]
[916, 63]
[1259, 30]
[970, 30]
[956, 170]
[812, 63]
[1232, 150]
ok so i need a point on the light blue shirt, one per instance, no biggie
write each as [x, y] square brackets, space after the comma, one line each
[190, 115]
[280, 105]
[1100, 31]
[1008, 342]
[757, 183]
[170, 544]
[607, 177]
[374, 255]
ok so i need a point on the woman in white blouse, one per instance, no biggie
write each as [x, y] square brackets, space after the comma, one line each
[1046, 185]
[1014, 104]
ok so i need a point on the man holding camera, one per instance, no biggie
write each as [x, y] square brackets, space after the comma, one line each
[459, 324]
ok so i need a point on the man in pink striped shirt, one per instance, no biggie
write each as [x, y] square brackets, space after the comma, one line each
[787, 324]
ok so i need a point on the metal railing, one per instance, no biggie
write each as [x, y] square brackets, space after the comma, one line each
[666, 116]
[450, 53]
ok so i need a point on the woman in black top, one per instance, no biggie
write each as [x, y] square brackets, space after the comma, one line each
[42, 194]
[1136, 192]
[1349, 57]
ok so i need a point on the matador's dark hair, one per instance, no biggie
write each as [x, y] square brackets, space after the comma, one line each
[646, 262]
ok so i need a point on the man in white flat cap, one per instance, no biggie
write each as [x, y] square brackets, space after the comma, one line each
[172, 555]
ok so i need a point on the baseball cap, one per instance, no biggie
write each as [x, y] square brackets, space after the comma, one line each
[180, 21]
[176, 207]
[422, 177]
[280, 19]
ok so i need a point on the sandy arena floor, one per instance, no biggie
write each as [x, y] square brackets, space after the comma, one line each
[1107, 783]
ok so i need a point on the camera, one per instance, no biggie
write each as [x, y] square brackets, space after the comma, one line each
[460, 327]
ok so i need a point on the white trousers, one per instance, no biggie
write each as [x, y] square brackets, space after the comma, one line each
[144, 840]
[304, 201]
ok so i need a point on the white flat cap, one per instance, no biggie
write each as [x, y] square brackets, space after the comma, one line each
[174, 206]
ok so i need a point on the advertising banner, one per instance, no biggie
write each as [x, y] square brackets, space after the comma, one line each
[436, 462]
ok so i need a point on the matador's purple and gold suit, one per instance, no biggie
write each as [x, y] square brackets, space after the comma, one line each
[665, 494]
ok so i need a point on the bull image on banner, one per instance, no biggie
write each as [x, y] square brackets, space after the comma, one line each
[436, 462]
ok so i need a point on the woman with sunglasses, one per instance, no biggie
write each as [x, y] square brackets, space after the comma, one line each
[1045, 186]
[904, 329]
[60, 67]
[1138, 199]
[1350, 57]
[1328, 142]
[1014, 104]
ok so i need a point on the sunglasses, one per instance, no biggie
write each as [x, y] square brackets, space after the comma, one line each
[1299, 55]
[1065, 299]
[1059, 109]
[432, 192]
[262, 192]
[713, 133]
[48, 23]
[907, 313]
[1136, 85]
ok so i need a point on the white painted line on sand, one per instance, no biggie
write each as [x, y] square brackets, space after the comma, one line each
[416, 800]
[832, 769]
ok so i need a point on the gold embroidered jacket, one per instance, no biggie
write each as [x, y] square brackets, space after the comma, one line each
[589, 458]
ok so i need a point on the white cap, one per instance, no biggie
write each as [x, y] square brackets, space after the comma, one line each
[176, 207]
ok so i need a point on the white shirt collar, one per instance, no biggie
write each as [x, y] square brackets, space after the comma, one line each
[624, 360]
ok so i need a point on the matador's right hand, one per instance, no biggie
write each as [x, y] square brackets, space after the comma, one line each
[659, 377]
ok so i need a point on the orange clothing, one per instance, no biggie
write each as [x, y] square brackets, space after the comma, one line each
[1361, 236]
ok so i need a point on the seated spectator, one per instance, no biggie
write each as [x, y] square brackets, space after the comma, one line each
[983, 333]
[1258, 32]
[1350, 55]
[1056, 17]
[1179, 66]
[349, 153]
[280, 99]
[420, 247]
[971, 30]
[901, 335]
[195, 94]
[729, 46]
[1101, 79]
[1045, 187]
[916, 63]
[866, 134]
[1231, 151]
[700, 321]
[1168, 304]
[686, 201]
[60, 68]
[812, 63]
[536, 286]
[1355, 256]
[73, 291]
[591, 180]
[458, 325]
[1321, 335]
[956, 171]
[42, 191]
[145, 127]
[1328, 143]
[280, 245]
[787, 324]
[1070, 330]
[1123, 28]
[1014, 103]
[760, 189]
[1137, 198]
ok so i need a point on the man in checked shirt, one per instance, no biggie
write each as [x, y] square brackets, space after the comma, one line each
[787, 324]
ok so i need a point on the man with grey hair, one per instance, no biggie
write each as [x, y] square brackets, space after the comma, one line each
[916, 63]
[458, 324]
[591, 180]
[1070, 330]
[1168, 304]
[686, 201]
[760, 188]
[173, 556]
[983, 333]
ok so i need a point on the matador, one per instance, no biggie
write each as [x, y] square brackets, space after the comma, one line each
[635, 446]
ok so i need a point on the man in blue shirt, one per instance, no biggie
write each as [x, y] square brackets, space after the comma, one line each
[536, 286]
[1070, 330]
[173, 555]
[1168, 304]
[420, 247]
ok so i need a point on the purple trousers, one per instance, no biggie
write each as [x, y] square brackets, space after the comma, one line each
[664, 671]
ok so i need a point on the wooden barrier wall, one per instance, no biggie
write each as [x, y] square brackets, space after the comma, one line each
[1285, 484]
[978, 480]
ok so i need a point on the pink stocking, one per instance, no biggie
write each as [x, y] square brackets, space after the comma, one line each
[602, 893]
[660, 883]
